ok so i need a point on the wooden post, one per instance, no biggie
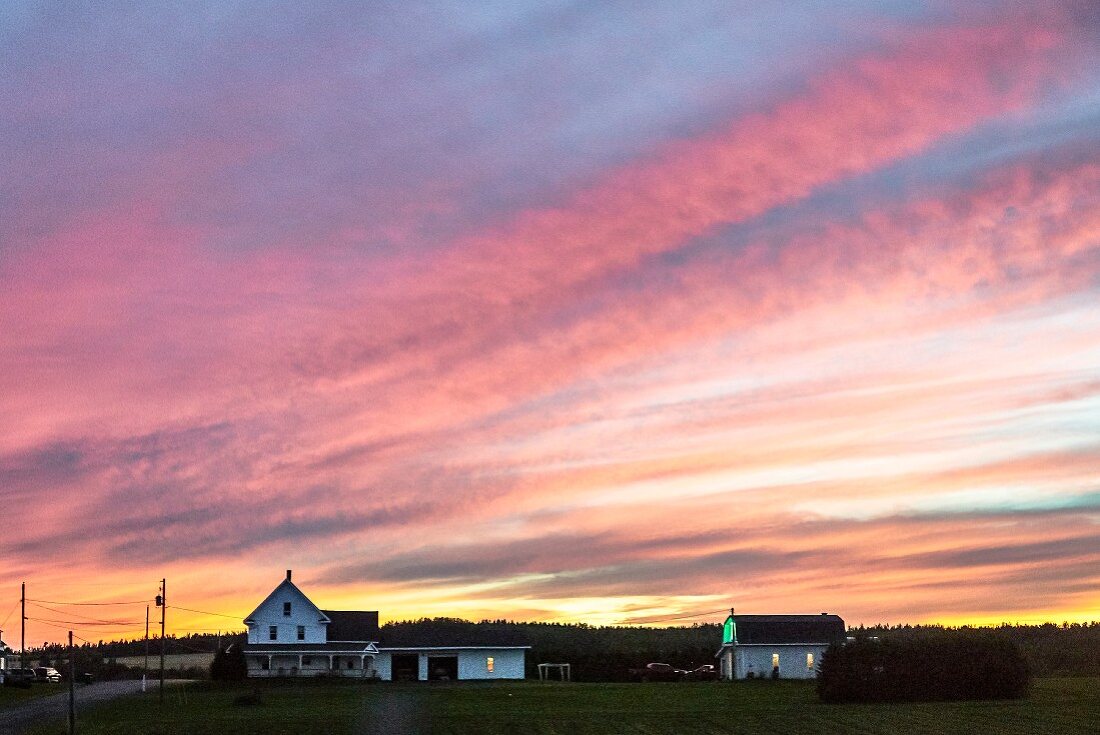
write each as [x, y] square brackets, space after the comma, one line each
[72, 686]
[163, 607]
[145, 671]
[23, 626]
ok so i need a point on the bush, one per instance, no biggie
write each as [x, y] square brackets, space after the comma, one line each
[949, 666]
[229, 664]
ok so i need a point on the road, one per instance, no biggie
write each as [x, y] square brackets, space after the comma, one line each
[16, 719]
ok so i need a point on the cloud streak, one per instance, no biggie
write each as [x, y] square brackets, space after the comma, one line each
[817, 336]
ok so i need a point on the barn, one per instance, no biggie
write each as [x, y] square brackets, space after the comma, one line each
[290, 636]
[782, 646]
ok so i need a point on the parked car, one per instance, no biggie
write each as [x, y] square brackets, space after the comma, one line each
[47, 674]
[706, 672]
[657, 672]
[18, 677]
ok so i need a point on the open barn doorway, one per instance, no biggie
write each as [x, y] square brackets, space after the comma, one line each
[442, 668]
[405, 667]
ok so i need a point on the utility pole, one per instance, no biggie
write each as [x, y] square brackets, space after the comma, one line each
[162, 600]
[23, 626]
[72, 687]
[145, 671]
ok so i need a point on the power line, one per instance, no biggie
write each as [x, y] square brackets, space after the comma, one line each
[64, 612]
[9, 614]
[55, 602]
[67, 627]
[205, 612]
[678, 617]
[86, 623]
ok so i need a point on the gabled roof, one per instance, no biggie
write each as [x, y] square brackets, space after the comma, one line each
[779, 629]
[352, 625]
[283, 586]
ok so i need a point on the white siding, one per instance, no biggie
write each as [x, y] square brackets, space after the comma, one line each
[382, 666]
[507, 664]
[302, 612]
[792, 660]
[472, 664]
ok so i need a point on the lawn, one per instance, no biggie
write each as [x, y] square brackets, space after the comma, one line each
[14, 695]
[1056, 707]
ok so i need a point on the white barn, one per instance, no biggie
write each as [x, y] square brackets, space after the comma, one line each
[787, 646]
[288, 635]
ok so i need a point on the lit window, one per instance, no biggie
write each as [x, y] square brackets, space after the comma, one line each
[775, 660]
[273, 632]
[489, 664]
[286, 609]
[809, 662]
[301, 632]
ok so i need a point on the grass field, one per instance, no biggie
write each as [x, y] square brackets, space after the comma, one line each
[1056, 707]
[12, 695]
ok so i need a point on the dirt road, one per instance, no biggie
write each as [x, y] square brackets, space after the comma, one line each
[14, 720]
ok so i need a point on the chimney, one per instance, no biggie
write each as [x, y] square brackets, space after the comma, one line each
[288, 574]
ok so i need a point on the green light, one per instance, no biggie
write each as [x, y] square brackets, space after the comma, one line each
[729, 631]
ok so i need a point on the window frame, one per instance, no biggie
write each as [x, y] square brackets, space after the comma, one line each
[273, 632]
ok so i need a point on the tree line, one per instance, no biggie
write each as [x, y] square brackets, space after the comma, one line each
[606, 653]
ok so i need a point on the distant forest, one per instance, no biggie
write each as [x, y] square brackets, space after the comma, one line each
[606, 653]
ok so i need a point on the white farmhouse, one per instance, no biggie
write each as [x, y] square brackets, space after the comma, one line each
[788, 646]
[288, 635]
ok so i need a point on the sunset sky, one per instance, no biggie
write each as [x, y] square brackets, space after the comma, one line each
[595, 312]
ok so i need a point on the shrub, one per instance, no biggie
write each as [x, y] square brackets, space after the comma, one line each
[948, 666]
[229, 664]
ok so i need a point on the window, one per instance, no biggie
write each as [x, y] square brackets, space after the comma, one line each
[301, 632]
[351, 663]
[264, 664]
[489, 664]
[335, 662]
[286, 609]
[306, 660]
[775, 661]
[273, 632]
[809, 662]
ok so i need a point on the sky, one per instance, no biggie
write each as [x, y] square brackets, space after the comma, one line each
[589, 312]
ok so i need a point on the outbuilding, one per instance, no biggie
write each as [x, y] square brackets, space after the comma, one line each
[780, 646]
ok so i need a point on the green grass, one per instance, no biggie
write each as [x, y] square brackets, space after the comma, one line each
[1056, 707]
[10, 696]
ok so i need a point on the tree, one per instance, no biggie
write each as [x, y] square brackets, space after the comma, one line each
[229, 664]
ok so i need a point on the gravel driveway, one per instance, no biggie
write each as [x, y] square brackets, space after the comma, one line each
[16, 719]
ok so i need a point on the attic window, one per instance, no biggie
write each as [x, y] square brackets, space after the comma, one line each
[286, 609]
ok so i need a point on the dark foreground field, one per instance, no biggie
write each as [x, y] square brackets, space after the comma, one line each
[1056, 706]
